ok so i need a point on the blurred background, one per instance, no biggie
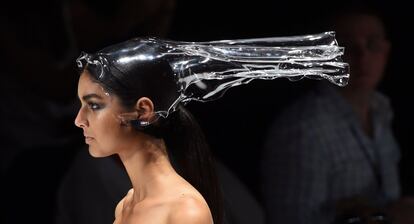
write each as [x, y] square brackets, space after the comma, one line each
[236, 125]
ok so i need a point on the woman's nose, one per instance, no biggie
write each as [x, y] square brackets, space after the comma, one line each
[80, 120]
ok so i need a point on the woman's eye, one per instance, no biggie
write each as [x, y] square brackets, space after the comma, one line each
[94, 106]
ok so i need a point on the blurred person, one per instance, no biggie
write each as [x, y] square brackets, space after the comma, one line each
[333, 149]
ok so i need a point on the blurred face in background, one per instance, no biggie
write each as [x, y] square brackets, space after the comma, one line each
[366, 49]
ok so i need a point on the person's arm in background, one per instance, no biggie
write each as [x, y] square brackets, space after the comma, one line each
[294, 176]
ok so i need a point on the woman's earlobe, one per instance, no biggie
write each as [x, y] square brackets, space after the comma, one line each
[139, 123]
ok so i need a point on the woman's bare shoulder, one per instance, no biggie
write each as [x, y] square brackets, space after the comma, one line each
[189, 208]
[120, 206]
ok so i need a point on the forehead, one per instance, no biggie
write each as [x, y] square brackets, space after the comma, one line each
[87, 85]
[361, 25]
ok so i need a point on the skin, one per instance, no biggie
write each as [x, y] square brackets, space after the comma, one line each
[366, 50]
[159, 195]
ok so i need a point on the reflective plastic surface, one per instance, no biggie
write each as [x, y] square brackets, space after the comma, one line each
[203, 71]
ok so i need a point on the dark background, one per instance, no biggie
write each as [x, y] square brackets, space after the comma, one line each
[236, 124]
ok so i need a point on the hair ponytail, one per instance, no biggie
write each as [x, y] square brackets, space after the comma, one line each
[191, 157]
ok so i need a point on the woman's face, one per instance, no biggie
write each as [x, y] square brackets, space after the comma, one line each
[99, 119]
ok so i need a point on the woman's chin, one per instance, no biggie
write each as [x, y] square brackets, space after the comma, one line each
[97, 153]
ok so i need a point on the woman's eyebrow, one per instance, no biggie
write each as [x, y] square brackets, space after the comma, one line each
[92, 95]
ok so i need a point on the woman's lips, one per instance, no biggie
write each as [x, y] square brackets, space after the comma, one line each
[88, 139]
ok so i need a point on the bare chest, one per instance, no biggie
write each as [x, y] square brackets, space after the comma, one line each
[157, 214]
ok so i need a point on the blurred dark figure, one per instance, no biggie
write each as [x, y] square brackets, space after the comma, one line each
[331, 156]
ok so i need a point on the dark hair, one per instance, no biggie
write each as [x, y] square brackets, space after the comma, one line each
[184, 139]
[361, 8]
[327, 18]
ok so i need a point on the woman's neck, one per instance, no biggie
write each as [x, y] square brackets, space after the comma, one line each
[148, 167]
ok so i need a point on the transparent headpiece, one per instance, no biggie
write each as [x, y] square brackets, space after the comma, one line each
[203, 71]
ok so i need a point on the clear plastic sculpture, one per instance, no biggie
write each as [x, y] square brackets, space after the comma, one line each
[203, 71]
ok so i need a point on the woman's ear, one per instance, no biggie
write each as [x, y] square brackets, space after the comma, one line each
[145, 109]
[142, 114]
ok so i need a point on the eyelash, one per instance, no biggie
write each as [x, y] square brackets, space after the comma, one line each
[94, 106]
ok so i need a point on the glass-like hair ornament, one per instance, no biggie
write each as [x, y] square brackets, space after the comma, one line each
[181, 72]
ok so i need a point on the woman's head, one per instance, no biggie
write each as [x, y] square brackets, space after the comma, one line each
[127, 86]
[122, 87]
[131, 70]
[102, 117]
